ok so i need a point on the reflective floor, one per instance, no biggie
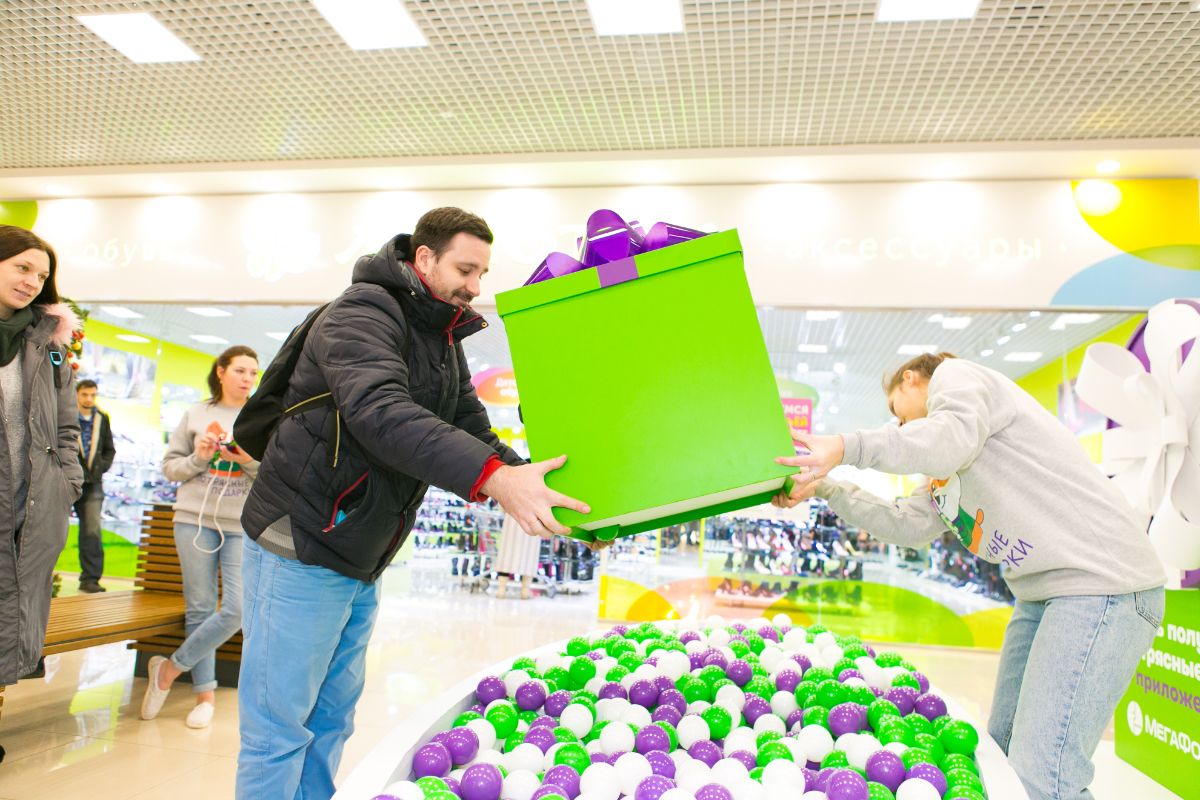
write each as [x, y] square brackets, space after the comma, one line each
[76, 732]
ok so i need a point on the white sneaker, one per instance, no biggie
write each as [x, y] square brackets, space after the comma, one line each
[201, 716]
[154, 698]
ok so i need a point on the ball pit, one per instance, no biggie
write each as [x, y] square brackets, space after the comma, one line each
[683, 710]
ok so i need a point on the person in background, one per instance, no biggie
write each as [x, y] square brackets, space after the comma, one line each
[40, 476]
[1015, 487]
[215, 477]
[96, 453]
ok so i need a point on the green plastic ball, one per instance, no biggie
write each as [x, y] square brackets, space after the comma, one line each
[915, 755]
[836, 758]
[465, 717]
[773, 751]
[574, 756]
[720, 721]
[565, 735]
[877, 791]
[430, 785]
[918, 723]
[817, 715]
[503, 719]
[806, 692]
[671, 734]
[958, 761]
[583, 669]
[959, 737]
[578, 646]
[927, 741]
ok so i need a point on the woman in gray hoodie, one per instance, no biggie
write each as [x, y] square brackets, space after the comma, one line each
[40, 476]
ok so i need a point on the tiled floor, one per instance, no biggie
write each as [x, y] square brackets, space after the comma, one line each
[76, 732]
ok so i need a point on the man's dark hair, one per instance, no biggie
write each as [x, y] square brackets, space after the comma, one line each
[436, 228]
[87, 383]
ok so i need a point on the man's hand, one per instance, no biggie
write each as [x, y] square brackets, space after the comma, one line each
[824, 453]
[800, 492]
[524, 495]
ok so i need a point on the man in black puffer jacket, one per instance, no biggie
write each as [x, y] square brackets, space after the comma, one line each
[393, 411]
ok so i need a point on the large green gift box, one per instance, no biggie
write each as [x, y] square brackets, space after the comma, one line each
[651, 375]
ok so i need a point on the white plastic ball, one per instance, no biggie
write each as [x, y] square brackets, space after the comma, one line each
[514, 679]
[577, 719]
[458, 773]
[783, 704]
[485, 731]
[899, 748]
[674, 664]
[522, 727]
[718, 638]
[691, 729]
[524, 757]
[748, 789]
[758, 622]
[824, 639]
[632, 768]
[741, 739]
[728, 771]
[595, 685]
[519, 785]
[817, 742]
[677, 794]
[405, 790]
[731, 696]
[646, 672]
[698, 707]
[770, 656]
[600, 781]
[548, 761]
[692, 775]
[494, 757]
[695, 646]
[854, 683]
[917, 789]
[636, 716]
[862, 749]
[628, 681]
[616, 738]
[783, 780]
[843, 742]
[770, 723]
[794, 639]
[680, 756]
[831, 655]
[813, 795]
[795, 748]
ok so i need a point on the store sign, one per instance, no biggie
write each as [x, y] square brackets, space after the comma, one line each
[798, 411]
[1158, 719]
[496, 386]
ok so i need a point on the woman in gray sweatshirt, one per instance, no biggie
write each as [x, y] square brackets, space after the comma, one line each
[214, 478]
[1018, 490]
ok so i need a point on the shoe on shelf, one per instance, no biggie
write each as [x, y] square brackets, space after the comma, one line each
[91, 587]
[201, 716]
[152, 701]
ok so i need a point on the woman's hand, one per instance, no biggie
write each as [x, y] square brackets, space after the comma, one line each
[206, 447]
[238, 456]
[800, 493]
[824, 453]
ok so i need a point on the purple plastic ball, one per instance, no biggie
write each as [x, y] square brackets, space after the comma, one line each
[755, 707]
[454, 786]
[547, 789]
[653, 787]
[652, 738]
[810, 776]
[769, 633]
[875, 690]
[848, 673]
[595, 655]
[930, 773]
[846, 718]
[612, 690]
[696, 660]
[613, 758]
[922, 681]
[675, 699]
[930, 706]
[661, 764]
[705, 751]
[905, 698]
[549, 722]
[481, 782]
[542, 737]
[870, 650]
[787, 680]
[599, 758]
[794, 717]
[556, 702]
[713, 791]
[821, 782]
[846, 784]
[463, 744]
[644, 694]
[432, 759]
[785, 629]
[652, 661]
[620, 630]
[565, 777]
[803, 662]
[478, 708]
[884, 766]
[530, 696]
[739, 672]
[490, 689]
[666, 714]
[689, 636]
[746, 757]
[714, 657]
[663, 683]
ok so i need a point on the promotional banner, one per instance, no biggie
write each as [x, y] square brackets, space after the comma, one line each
[1158, 719]
[798, 411]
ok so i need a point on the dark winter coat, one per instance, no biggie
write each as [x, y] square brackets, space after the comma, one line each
[352, 475]
[55, 483]
[99, 459]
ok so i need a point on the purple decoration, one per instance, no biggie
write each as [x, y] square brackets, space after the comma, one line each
[803, 661]
[530, 696]
[481, 782]
[930, 706]
[755, 707]
[615, 757]
[609, 237]
[713, 791]
[847, 718]
[643, 693]
[490, 689]
[922, 681]
[653, 787]
[565, 777]
[463, 744]
[905, 698]
[877, 691]
[554, 265]
[675, 699]
[787, 680]
[556, 702]
[884, 766]
[664, 234]
[661, 763]
[542, 737]
[705, 751]
[713, 656]
[664, 684]
[795, 717]
[689, 636]
[432, 759]
[666, 714]
[848, 673]
[652, 738]
[930, 773]
[769, 633]
[547, 789]
[744, 756]
[739, 672]
[846, 784]
[613, 690]
[614, 272]
[696, 660]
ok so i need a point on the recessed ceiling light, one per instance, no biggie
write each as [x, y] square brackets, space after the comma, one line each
[1108, 166]
[813, 348]
[208, 339]
[916, 349]
[916, 10]
[371, 24]
[1020, 326]
[635, 17]
[821, 316]
[955, 323]
[839, 368]
[279, 336]
[1035, 314]
[820, 427]
[1023, 357]
[121, 312]
[139, 37]
[833, 409]
[1064, 320]
[1003, 340]
[987, 352]
[208, 311]
[132, 337]
[936, 317]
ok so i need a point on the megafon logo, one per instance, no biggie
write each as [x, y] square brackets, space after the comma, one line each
[1133, 716]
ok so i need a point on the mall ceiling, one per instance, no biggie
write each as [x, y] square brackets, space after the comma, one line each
[276, 83]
